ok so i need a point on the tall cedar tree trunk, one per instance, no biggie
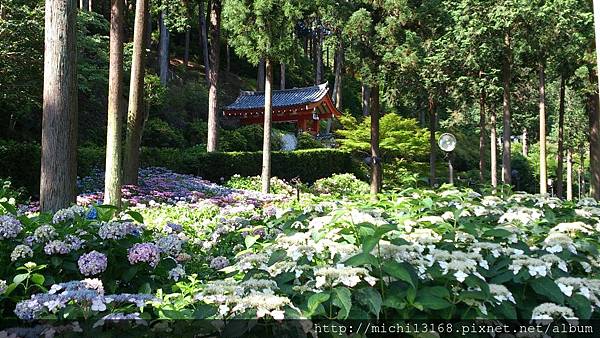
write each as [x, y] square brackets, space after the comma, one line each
[376, 168]
[163, 50]
[148, 35]
[89, 3]
[595, 116]
[493, 150]
[432, 143]
[282, 76]
[204, 39]
[227, 58]
[561, 141]
[525, 148]
[260, 76]
[569, 174]
[365, 94]
[215, 49]
[506, 76]
[266, 161]
[59, 123]
[186, 49]
[481, 135]
[542, 117]
[136, 110]
[319, 57]
[594, 144]
[339, 66]
[112, 180]
[84, 5]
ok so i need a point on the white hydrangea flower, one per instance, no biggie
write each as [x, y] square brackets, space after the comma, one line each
[550, 311]
[501, 293]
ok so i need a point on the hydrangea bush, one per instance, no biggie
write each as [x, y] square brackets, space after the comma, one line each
[443, 254]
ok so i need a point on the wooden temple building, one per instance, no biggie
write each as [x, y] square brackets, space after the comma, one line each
[303, 106]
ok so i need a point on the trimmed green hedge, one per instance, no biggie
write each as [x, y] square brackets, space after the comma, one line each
[21, 162]
[309, 165]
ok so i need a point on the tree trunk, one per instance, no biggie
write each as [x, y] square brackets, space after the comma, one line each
[164, 50]
[282, 76]
[595, 117]
[542, 117]
[365, 94]
[319, 57]
[506, 76]
[432, 141]
[186, 49]
[59, 123]
[89, 3]
[561, 132]
[204, 39]
[260, 76]
[84, 5]
[266, 163]
[136, 111]
[213, 108]
[525, 148]
[493, 150]
[148, 34]
[594, 145]
[112, 181]
[228, 58]
[569, 175]
[337, 86]
[481, 136]
[376, 168]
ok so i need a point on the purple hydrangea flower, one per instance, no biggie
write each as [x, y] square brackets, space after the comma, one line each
[92, 263]
[170, 244]
[118, 230]
[57, 247]
[10, 227]
[219, 263]
[144, 252]
[74, 242]
[173, 227]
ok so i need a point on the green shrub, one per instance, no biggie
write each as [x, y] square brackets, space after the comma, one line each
[307, 141]
[158, 133]
[340, 185]
[278, 186]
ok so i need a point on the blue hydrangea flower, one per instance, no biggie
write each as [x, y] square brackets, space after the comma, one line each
[92, 263]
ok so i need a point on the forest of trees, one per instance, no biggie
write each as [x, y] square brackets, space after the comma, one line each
[519, 78]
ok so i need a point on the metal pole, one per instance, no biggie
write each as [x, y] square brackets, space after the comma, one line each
[450, 169]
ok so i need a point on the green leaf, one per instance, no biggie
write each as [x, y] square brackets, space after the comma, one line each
[581, 305]
[342, 299]
[38, 279]
[369, 243]
[20, 278]
[136, 216]
[106, 212]
[371, 299]
[250, 240]
[394, 301]
[506, 310]
[499, 233]
[316, 299]
[362, 259]
[130, 273]
[438, 291]
[544, 286]
[432, 302]
[204, 311]
[9, 207]
[401, 271]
